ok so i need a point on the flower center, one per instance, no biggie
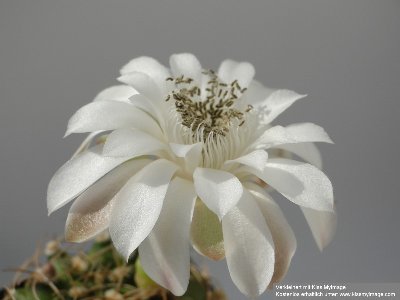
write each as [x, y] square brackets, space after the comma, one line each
[209, 111]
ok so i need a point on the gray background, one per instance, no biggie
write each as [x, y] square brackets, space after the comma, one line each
[56, 55]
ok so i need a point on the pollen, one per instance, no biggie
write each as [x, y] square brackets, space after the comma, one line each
[210, 110]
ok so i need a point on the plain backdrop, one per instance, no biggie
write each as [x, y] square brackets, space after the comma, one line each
[56, 55]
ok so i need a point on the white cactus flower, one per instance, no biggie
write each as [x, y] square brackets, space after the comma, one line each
[184, 163]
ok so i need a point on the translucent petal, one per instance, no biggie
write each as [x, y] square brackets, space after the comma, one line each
[138, 205]
[90, 212]
[206, 232]
[219, 190]
[165, 253]
[322, 225]
[248, 247]
[77, 175]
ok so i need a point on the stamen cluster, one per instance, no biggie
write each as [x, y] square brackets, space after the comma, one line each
[214, 112]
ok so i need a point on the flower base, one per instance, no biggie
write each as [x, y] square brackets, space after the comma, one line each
[98, 273]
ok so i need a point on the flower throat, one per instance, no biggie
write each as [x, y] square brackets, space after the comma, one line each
[211, 114]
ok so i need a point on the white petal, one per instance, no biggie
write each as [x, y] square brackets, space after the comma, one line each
[138, 205]
[90, 212]
[109, 115]
[191, 154]
[301, 183]
[295, 133]
[86, 143]
[282, 234]
[322, 225]
[144, 84]
[256, 94]
[151, 106]
[165, 253]
[308, 132]
[77, 175]
[230, 70]
[276, 103]
[256, 159]
[186, 64]
[219, 190]
[248, 246]
[148, 66]
[131, 142]
[307, 151]
[116, 93]
[225, 70]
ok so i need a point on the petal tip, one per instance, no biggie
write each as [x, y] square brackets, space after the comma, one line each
[69, 237]
[51, 209]
[322, 244]
[122, 78]
[67, 133]
[329, 140]
[179, 291]
[298, 96]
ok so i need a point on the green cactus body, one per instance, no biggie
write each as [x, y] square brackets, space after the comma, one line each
[98, 274]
